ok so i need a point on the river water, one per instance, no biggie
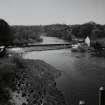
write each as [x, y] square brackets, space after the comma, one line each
[51, 40]
[82, 74]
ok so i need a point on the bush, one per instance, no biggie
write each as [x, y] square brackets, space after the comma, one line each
[6, 37]
[26, 34]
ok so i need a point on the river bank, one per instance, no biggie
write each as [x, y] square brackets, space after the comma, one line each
[28, 82]
[83, 73]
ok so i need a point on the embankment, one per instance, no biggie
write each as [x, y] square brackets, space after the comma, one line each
[28, 82]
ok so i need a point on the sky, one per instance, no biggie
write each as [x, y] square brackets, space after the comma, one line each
[43, 12]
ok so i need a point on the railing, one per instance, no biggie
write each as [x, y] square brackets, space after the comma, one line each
[101, 97]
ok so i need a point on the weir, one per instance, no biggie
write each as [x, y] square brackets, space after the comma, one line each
[42, 45]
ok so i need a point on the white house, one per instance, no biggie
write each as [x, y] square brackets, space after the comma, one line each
[87, 41]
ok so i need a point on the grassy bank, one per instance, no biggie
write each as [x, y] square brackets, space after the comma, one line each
[28, 82]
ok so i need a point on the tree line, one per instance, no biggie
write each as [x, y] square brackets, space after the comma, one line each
[23, 35]
[26, 34]
[18, 35]
[62, 31]
[68, 32]
[90, 29]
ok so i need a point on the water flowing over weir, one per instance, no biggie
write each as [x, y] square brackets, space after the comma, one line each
[82, 74]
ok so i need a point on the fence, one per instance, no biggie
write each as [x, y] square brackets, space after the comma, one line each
[101, 97]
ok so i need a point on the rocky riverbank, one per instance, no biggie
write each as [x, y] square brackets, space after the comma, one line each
[28, 82]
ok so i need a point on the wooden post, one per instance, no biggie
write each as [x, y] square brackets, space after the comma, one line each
[101, 96]
[82, 102]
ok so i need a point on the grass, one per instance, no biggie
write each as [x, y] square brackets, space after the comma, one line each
[33, 80]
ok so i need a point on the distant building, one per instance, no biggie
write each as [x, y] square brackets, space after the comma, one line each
[87, 41]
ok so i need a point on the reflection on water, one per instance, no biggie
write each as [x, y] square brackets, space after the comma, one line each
[52, 40]
[82, 74]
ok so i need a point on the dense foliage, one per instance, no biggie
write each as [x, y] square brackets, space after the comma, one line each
[33, 80]
[58, 30]
[6, 37]
[26, 34]
[68, 32]
[90, 29]
[23, 35]
[18, 35]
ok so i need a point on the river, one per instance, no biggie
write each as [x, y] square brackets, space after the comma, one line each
[82, 74]
[51, 40]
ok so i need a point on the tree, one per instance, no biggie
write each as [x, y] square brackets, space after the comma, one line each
[97, 33]
[85, 29]
[6, 37]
